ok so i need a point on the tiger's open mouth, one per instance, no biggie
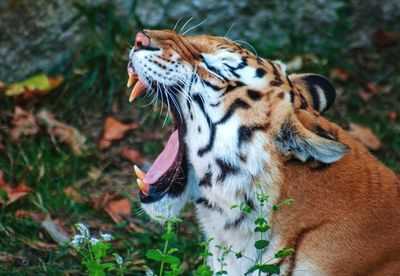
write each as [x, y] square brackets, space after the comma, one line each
[168, 172]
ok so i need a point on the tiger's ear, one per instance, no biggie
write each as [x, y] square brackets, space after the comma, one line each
[293, 138]
[317, 90]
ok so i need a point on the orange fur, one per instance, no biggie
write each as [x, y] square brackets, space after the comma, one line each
[346, 216]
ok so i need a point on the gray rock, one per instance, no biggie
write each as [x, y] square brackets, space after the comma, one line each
[37, 35]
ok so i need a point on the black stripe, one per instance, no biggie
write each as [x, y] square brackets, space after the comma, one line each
[236, 222]
[212, 86]
[327, 88]
[254, 95]
[323, 133]
[304, 103]
[315, 96]
[206, 180]
[292, 96]
[204, 202]
[245, 133]
[276, 82]
[238, 103]
[226, 169]
[290, 82]
[232, 87]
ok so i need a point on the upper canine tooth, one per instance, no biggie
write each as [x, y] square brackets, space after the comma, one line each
[132, 77]
[131, 81]
[139, 173]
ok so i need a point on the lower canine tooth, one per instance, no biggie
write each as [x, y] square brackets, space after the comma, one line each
[143, 186]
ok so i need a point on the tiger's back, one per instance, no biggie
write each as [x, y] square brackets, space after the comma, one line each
[346, 216]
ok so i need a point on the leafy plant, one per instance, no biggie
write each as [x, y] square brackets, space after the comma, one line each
[204, 269]
[261, 227]
[166, 256]
[93, 250]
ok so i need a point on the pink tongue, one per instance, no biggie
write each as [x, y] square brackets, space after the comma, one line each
[165, 160]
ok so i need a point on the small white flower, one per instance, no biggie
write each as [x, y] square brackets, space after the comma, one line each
[77, 241]
[149, 272]
[83, 229]
[94, 241]
[107, 237]
[119, 259]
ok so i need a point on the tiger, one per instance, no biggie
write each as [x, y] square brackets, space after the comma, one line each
[243, 126]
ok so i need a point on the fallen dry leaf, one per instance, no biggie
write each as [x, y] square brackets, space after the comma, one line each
[2, 86]
[70, 192]
[30, 214]
[94, 173]
[101, 202]
[24, 124]
[393, 116]
[384, 38]
[132, 155]
[373, 87]
[117, 208]
[34, 86]
[13, 193]
[1, 144]
[114, 130]
[104, 144]
[340, 74]
[63, 132]
[373, 90]
[366, 96]
[365, 136]
[38, 245]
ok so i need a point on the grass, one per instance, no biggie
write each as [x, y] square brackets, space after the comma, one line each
[94, 88]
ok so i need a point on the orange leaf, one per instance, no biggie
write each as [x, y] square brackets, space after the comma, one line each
[340, 74]
[393, 116]
[116, 208]
[373, 87]
[1, 144]
[69, 191]
[13, 193]
[39, 245]
[384, 38]
[30, 214]
[365, 136]
[63, 132]
[102, 201]
[132, 155]
[24, 124]
[114, 130]
[366, 96]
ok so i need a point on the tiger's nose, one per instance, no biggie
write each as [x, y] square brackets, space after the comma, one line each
[141, 41]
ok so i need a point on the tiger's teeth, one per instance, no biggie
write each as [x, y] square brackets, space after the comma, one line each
[132, 77]
[139, 173]
[131, 80]
[137, 90]
[143, 186]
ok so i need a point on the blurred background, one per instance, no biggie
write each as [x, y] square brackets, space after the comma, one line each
[69, 137]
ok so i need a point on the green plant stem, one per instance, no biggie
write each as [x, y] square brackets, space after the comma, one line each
[164, 253]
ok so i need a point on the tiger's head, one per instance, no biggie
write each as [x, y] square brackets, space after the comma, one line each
[235, 114]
